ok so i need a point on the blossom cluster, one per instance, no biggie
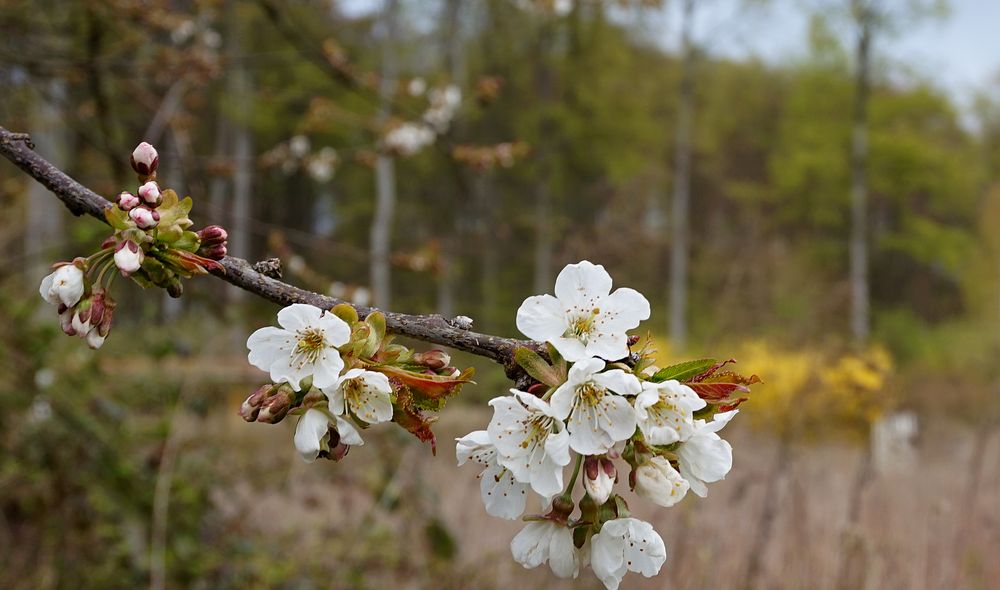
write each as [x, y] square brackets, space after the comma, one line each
[340, 375]
[597, 403]
[151, 245]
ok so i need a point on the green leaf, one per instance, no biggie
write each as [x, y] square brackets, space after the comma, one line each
[346, 312]
[376, 333]
[682, 371]
[534, 365]
[117, 218]
[188, 241]
[169, 234]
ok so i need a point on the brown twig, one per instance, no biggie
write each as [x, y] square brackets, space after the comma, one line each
[435, 329]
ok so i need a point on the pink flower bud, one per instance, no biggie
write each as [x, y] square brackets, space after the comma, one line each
[432, 359]
[251, 405]
[276, 407]
[150, 194]
[127, 201]
[129, 257]
[109, 312]
[216, 252]
[144, 217]
[212, 235]
[66, 320]
[144, 159]
[97, 309]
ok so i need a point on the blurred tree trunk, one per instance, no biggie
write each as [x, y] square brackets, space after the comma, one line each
[239, 87]
[45, 214]
[103, 109]
[455, 64]
[385, 170]
[489, 246]
[862, 12]
[544, 230]
[682, 186]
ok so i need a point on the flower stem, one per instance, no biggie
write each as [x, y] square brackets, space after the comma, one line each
[105, 265]
[572, 479]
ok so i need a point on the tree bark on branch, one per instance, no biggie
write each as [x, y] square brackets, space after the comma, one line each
[435, 329]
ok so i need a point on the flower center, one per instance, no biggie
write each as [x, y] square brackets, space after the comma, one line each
[589, 395]
[582, 325]
[353, 389]
[310, 346]
[538, 429]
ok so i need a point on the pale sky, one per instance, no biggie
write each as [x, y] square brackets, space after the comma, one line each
[960, 53]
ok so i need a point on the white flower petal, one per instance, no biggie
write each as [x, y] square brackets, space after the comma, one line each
[266, 344]
[584, 370]
[530, 547]
[645, 553]
[475, 446]
[326, 371]
[626, 544]
[657, 481]
[310, 433]
[336, 330]
[618, 417]
[619, 382]
[503, 496]
[348, 433]
[608, 346]
[46, 291]
[564, 559]
[298, 316]
[541, 541]
[582, 283]
[562, 399]
[571, 349]
[623, 310]
[542, 317]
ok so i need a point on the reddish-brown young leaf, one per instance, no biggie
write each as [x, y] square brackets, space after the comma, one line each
[430, 385]
[412, 419]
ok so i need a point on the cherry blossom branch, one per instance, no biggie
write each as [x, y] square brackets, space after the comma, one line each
[454, 333]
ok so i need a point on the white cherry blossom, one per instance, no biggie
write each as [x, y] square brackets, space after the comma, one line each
[503, 496]
[623, 545]
[584, 319]
[531, 441]
[304, 346]
[547, 541]
[312, 433]
[599, 415]
[366, 394]
[64, 286]
[658, 481]
[664, 411]
[705, 457]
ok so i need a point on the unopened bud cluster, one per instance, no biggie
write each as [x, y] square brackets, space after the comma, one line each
[151, 244]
